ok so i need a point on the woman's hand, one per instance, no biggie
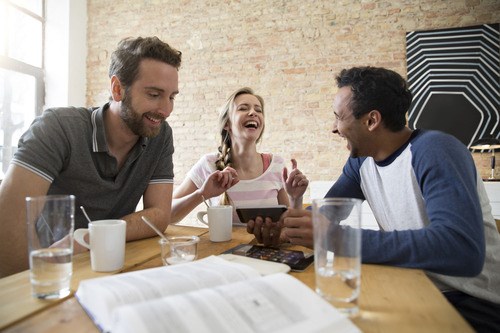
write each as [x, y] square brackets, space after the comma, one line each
[266, 232]
[295, 227]
[296, 183]
[219, 182]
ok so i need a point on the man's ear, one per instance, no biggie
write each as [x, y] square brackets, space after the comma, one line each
[116, 89]
[374, 120]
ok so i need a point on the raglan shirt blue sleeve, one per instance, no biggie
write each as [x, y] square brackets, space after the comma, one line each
[453, 242]
[348, 184]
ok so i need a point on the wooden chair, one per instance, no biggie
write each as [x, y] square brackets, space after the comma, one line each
[498, 224]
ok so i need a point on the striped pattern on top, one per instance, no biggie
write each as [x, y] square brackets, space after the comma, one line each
[260, 191]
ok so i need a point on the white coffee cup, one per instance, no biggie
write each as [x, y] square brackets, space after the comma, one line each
[106, 244]
[220, 222]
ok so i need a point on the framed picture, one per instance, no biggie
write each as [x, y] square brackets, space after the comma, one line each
[454, 77]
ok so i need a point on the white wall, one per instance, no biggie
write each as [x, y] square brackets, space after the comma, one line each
[65, 53]
[493, 191]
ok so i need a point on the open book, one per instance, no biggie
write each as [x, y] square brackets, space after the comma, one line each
[208, 295]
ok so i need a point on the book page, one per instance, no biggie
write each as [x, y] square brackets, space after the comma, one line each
[274, 303]
[100, 296]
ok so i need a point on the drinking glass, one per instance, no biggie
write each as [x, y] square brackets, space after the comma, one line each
[50, 223]
[179, 249]
[337, 251]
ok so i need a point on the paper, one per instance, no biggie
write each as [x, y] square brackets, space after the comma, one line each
[208, 295]
[261, 266]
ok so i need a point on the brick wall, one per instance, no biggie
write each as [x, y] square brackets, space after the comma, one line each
[287, 50]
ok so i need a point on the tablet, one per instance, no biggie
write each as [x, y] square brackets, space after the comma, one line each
[250, 213]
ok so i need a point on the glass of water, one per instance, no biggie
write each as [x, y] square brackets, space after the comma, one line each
[337, 251]
[179, 249]
[50, 223]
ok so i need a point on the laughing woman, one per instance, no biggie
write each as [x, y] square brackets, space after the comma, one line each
[238, 174]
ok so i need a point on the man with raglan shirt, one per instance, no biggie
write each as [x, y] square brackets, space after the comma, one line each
[425, 193]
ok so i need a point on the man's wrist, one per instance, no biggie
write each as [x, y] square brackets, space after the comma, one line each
[296, 203]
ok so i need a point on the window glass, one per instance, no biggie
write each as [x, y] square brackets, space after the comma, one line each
[34, 6]
[17, 111]
[3, 27]
[25, 38]
[21, 75]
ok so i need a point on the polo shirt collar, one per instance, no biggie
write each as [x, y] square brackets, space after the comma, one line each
[99, 143]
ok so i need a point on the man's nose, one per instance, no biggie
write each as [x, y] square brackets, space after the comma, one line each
[335, 129]
[166, 108]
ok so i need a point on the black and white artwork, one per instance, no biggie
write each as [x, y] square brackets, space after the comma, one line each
[454, 77]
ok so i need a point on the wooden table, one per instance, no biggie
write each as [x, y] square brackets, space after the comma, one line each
[392, 299]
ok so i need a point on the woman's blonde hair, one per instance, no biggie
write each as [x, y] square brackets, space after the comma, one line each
[225, 156]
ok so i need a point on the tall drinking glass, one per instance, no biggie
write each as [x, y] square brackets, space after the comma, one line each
[50, 224]
[337, 251]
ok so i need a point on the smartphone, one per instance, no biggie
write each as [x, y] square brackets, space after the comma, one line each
[250, 213]
[297, 260]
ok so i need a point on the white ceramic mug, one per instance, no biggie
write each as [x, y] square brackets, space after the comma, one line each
[220, 222]
[106, 244]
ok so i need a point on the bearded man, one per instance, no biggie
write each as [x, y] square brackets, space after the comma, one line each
[108, 157]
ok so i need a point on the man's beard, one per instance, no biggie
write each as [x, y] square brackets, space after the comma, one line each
[134, 120]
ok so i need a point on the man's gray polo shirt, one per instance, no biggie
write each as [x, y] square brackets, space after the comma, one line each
[67, 147]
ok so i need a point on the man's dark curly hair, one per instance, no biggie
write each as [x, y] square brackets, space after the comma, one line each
[377, 89]
[126, 58]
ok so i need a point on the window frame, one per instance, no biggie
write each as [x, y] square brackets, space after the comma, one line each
[17, 66]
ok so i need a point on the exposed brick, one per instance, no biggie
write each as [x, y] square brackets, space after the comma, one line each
[288, 51]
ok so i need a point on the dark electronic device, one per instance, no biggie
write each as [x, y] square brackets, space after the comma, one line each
[250, 213]
[297, 260]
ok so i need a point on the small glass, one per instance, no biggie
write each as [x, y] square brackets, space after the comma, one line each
[178, 249]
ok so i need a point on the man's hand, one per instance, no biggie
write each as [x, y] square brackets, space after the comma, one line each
[298, 227]
[295, 226]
